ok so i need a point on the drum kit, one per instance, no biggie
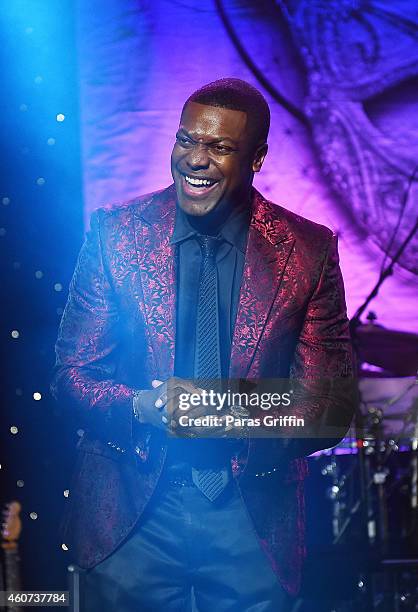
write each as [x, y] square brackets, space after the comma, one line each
[365, 535]
[372, 475]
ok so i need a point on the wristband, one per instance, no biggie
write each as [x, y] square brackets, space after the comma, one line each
[136, 405]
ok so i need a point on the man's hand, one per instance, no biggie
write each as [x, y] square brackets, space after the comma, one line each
[160, 407]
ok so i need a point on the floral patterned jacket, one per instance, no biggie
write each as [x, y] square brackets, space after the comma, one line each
[117, 334]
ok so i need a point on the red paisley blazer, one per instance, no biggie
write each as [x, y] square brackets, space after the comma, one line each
[118, 332]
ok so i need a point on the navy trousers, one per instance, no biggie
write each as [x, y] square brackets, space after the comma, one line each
[187, 553]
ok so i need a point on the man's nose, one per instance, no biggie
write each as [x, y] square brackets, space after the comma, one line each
[198, 157]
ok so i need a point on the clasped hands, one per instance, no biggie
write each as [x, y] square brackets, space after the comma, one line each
[159, 407]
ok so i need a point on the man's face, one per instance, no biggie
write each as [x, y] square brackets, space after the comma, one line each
[213, 159]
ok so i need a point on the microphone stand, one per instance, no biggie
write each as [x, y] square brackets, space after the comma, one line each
[388, 271]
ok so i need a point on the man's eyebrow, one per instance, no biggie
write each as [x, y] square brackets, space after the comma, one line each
[214, 141]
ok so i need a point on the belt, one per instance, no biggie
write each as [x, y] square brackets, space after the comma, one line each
[181, 475]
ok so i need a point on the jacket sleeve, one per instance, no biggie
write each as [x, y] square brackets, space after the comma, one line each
[322, 367]
[87, 347]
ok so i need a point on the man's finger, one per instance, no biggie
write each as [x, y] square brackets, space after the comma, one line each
[156, 383]
[161, 401]
[168, 399]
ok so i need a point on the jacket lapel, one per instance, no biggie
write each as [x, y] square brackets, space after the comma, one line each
[269, 246]
[156, 258]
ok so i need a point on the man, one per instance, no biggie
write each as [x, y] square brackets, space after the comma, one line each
[203, 280]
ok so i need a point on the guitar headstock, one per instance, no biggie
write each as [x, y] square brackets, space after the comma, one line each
[11, 526]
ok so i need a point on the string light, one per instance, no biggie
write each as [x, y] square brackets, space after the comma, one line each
[14, 429]
[37, 396]
[60, 117]
[33, 516]
[15, 334]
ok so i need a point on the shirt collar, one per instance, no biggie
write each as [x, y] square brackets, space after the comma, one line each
[234, 230]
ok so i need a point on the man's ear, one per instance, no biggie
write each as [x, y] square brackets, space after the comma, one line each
[259, 156]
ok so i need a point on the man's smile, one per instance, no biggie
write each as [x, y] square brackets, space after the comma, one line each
[197, 186]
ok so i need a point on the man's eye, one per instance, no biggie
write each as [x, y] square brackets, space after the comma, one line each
[222, 149]
[183, 140]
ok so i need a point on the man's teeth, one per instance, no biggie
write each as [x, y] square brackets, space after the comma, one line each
[198, 182]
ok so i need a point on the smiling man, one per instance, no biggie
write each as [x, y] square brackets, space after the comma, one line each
[201, 281]
[216, 154]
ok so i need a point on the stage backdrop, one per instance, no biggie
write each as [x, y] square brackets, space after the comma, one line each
[343, 142]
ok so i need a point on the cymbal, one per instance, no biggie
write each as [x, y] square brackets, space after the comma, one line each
[394, 351]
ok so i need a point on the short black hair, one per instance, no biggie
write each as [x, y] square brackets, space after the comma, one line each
[237, 94]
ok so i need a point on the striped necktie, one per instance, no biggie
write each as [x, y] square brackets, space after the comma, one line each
[207, 362]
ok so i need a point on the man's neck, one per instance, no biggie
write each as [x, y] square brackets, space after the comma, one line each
[212, 223]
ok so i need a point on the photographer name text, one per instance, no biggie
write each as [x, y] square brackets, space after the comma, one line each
[213, 420]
